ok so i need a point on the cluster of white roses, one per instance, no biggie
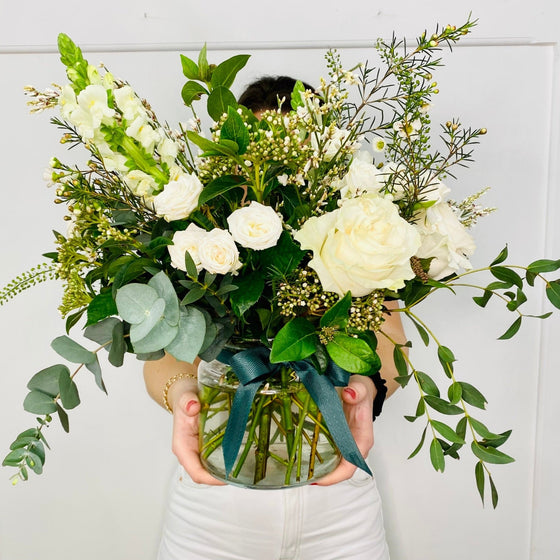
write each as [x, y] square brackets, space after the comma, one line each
[255, 226]
[365, 244]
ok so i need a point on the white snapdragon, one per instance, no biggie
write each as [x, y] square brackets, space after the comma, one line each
[445, 239]
[332, 141]
[167, 149]
[67, 101]
[186, 240]
[141, 184]
[362, 177]
[141, 130]
[218, 253]
[362, 246]
[129, 103]
[93, 100]
[178, 198]
[255, 226]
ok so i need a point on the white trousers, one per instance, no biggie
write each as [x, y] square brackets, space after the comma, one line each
[339, 522]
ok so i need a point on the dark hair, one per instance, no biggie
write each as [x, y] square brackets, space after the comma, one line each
[265, 93]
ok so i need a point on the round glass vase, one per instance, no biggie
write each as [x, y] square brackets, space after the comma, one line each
[286, 441]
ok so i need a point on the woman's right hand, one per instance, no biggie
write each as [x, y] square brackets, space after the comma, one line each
[185, 405]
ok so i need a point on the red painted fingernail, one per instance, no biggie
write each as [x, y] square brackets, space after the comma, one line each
[351, 392]
[313, 484]
[190, 404]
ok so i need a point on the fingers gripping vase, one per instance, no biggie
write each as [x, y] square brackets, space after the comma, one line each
[285, 440]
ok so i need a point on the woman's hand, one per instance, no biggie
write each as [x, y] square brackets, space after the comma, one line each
[186, 406]
[358, 406]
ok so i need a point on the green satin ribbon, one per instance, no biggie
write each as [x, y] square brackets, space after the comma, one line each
[253, 366]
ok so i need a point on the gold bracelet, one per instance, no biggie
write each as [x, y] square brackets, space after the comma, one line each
[170, 382]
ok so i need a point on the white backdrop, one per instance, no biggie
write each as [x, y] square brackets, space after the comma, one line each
[102, 493]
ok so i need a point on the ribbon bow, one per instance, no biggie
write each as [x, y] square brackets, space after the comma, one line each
[253, 366]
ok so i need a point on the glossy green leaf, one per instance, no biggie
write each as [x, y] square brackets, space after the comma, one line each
[446, 359]
[353, 354]
[512, 330]
[72, 351]
[192, 91]
[203, 66]
[501, 257]
[219, 100]
[505, 274]
[193, 295]
[543, 265]
[483, 300]
[207, 145]
[101, 306]
[220, 186]
[399, 361]
[442, 406]
[296, 97]
[224, 74]
[295, 341]
[472, 395]
[490, 455]
[494, 493]
[436, 456]
[479, 476]
[497, 439]
[553, 293]
[427, 384]
[447, 432]
[190, 68]
[250, 288]
[337, 315]
[481, 429]
[420, 444]
[461, 428]
[422, 332]
[234, 129]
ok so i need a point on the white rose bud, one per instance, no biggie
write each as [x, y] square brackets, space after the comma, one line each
[363, 246]
[178, 198]
[255, 226]
[218, 253]
[362, 177]
[445, 239]
[186, 240]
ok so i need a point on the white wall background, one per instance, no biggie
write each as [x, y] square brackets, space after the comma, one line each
[102, 495]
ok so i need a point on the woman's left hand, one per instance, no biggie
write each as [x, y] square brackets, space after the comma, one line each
[358, 407]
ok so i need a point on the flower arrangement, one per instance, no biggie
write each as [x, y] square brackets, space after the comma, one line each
[293, 230]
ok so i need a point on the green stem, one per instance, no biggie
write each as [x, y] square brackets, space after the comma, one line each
[298, 436]
[261, 455]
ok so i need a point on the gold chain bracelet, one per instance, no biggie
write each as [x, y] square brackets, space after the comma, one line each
[170, 382]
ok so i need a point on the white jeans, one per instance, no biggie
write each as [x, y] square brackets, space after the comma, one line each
[339, 522]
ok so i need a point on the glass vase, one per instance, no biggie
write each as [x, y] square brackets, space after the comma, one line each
[286, 441]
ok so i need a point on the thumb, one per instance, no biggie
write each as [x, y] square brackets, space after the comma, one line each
[189, 403]
[354, 393]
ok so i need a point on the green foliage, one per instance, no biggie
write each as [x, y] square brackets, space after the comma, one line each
[295, 341]
[36, 275]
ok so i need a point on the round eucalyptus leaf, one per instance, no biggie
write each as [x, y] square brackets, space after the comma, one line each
[134, 302]
[159, 337]
[190, 336]
[140, 330]
[163, 286]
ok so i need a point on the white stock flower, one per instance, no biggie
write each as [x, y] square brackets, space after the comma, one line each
[143, 132]
[362, 177]
[167, 149]
[445, 239]
[186, 240]
[255, 226]
[178, 198]
[362, 246]
[218, 253]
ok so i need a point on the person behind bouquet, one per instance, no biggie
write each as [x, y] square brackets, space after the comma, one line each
[339, 516]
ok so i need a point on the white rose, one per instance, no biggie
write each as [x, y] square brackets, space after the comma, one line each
[362, 246]
[218, 253]
[362, 177]
[186, 240]
[178, 198]
[255, 226]
[446, 239]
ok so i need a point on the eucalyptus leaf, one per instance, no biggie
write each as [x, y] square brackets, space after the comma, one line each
[95, 368]
[102, 332]
[134, 302]
[190, 335]
[138, 331]
[47, 380]
[118, 345]
[34, 462]
[158, 337]
[63, 417]
[72, 351]
[68, 391]
[163, 286]
[38, 402]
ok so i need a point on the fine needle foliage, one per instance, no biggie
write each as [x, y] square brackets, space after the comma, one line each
[294, 230]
